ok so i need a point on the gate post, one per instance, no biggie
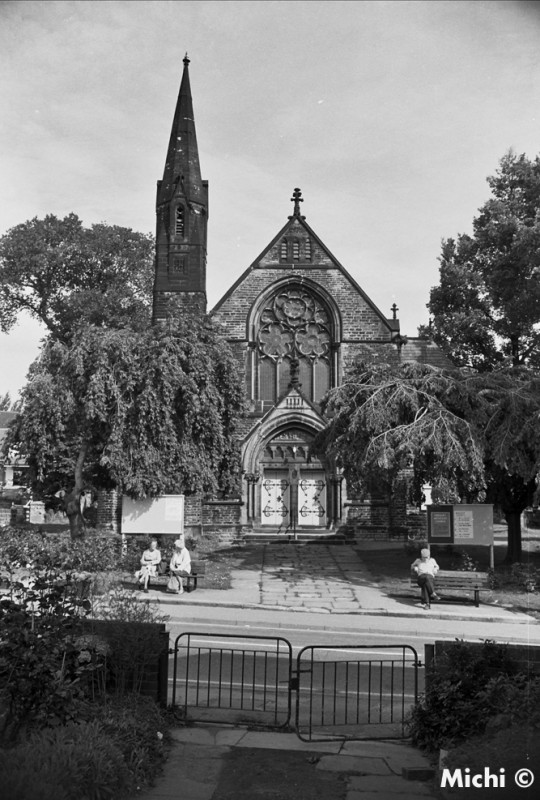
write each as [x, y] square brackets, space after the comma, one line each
[429, 659]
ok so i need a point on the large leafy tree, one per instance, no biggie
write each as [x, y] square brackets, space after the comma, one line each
[152, 411]
[65, 275]
[472, 435]
[486, 308]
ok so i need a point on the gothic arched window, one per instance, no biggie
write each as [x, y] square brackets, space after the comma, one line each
[294, 338]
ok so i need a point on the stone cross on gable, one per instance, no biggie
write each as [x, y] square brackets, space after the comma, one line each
[297, 199]
[394, 310]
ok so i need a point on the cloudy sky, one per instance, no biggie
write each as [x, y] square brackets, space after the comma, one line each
[388, 115]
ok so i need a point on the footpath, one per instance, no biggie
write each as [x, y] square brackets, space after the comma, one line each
[319, 588]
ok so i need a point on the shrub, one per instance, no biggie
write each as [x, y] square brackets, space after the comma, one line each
[41, 673]
[518, 577]
[139, 729]
[122, 749]
[512, 748]
[465, 688]
[465, 562]
[22, 548]
[71, 762]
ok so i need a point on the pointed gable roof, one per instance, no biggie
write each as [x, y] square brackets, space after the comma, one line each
[296, 224]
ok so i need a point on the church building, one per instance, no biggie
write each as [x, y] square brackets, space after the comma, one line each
[294, 319]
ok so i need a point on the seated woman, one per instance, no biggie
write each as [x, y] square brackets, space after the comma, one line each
[425, 568]
[180, 565]
[150, 561]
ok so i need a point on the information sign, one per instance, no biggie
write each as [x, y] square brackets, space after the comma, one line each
[153, 515]
[461, 524]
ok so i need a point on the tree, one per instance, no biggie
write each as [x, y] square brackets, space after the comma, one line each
[486, 308]
[152, 412]
[473, 436]
[65, 275]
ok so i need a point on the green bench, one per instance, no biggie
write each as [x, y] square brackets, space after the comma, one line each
[456, 580]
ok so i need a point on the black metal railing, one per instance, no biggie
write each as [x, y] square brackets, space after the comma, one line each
[355, 691]
[247, 675]
[342, 692]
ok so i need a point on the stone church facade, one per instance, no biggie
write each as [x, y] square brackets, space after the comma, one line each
[295, 319]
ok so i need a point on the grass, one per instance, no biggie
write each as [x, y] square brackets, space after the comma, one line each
[391, 570]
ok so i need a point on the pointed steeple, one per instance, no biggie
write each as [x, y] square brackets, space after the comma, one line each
[182, 164]
[182, 214]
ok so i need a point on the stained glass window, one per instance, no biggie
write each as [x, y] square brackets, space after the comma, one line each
[294, 325]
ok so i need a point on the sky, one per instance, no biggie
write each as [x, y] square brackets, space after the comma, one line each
[388, 115]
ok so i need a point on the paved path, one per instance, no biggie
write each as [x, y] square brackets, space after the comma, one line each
[324, 588]
[326, 580]
[372, 770]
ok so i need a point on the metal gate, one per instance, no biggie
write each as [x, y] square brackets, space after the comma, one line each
[342, 692]
[228, 678]
[354, 692]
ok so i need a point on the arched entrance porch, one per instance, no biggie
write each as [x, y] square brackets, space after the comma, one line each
[287, 491]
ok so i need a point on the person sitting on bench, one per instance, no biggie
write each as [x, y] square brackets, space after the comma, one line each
[150, 560]
[425, 568]
[180, 565]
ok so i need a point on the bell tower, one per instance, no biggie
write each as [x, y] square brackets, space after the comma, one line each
[181, 216]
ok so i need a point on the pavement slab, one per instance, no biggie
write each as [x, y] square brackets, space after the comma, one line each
[223, 763]
[357, 764]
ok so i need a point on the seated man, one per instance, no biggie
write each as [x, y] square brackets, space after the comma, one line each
[150, 561]
[425, 568]
[180, 565]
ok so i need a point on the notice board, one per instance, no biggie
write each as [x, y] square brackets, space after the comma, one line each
[153, 515]
[461, 524]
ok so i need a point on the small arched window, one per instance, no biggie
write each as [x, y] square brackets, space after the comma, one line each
[296, 251]
[308, 249]
[179, 222]
[283, 250]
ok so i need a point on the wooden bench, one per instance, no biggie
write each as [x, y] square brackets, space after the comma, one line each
[198, 569]
[455, 580]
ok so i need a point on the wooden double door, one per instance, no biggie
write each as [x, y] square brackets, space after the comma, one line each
[294, 498]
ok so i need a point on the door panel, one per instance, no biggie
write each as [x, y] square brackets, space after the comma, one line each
[275, 501]
[312, 501]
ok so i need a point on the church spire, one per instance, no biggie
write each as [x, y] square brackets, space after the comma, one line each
[182, 213]
[182, 163]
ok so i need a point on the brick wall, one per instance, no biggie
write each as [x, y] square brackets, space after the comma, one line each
[221, 513]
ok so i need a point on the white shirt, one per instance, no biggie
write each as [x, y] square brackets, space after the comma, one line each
[425, 567]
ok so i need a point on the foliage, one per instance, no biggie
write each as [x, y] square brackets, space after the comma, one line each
[383, 420]
[42, 676]
[155, 412]
[72, 762]
[465, 562]
[131, 629]
[66, 275]
[135, 723]
[519, 576]
[7, 404]
[473, 436]
[22, 547]
[513, 747]
[486, 309]
[466, 686]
